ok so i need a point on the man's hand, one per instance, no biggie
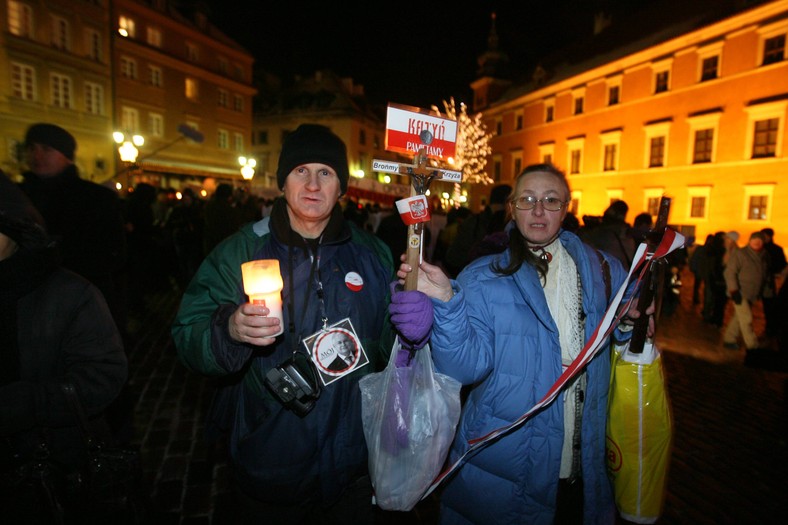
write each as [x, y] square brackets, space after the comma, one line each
[250, 324]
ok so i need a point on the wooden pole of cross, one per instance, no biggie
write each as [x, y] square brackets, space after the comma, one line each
[421, 177]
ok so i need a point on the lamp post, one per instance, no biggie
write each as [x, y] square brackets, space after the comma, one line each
[247, 167]
[127, 149]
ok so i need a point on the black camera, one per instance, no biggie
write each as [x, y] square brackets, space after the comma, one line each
[294, 383]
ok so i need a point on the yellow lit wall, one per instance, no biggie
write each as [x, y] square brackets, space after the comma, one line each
[724, 189]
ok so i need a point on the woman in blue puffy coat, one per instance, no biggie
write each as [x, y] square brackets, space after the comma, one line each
[508, 327]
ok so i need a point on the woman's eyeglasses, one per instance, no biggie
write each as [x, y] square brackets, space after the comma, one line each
[528, 202]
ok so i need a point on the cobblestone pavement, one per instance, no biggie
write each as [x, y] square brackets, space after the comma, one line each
[730, 427]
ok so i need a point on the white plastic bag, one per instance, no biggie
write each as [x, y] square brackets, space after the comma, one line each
[410, 415]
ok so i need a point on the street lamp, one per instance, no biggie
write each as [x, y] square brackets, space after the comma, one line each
[247, 167]
[127, 149]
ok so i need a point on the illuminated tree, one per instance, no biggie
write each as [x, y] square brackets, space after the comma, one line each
[473, 145]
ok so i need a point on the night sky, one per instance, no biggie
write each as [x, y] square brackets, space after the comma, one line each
[414, 53]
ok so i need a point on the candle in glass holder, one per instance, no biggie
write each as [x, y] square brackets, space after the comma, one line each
[263, 284]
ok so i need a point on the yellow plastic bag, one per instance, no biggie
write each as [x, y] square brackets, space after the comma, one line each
[639, 433]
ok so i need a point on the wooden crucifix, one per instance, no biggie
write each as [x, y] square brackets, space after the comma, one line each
[410, 130]
[421, 177]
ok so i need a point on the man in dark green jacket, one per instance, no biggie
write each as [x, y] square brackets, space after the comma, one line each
[297, 450]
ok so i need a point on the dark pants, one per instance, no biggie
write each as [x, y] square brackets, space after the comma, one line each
[354, 507]
[569, 504]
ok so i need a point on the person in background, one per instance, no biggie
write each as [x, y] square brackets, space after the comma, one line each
[613, 234]
[715, 294]
[55, 328]
[745, 277]
[85, 219]
[731, 245]
[294, 464]
[86, 222]
[776, 264]
[641, 227]
[509, 325]
[185, 227]
[221, 217]
[473, 230]
[698, 267]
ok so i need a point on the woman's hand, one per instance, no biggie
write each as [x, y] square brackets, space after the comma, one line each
[250, 324]
[432, 281]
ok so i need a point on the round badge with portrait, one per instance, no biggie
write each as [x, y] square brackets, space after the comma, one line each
[336, 351]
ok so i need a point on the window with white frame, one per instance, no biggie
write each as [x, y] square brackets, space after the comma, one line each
[709, 61]
[127, 27]
[496, 165]
[23, 81]
[613, 90]
[651, 199]
[128, 67]
[224, 66]
[765, 128]
[611, 145]
[156, 125]
[772, 42]
[703, 130]
[575, 154]
[94, 98]
[238, 103]
[60, 89]
[614, 194]
[130, 120]
[549, 110]
[498, 127]
[20, 19]
[153, 36]
[223, 99]
[155, 76]
[61, 33]
[238, 141]
[757, 200]
[698, 201]
[574, 202]
[661, 77]
[578, 101]
[191, 89]
[657, 144]
[223, 139]
[93, 44]
[517, 162]
[518, 121]
[547, 152]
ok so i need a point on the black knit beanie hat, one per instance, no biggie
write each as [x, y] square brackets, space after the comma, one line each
[53, 136]
[19, 219]
[313, 143]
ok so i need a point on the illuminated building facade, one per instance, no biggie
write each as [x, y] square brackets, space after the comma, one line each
[135, 66]
[55, 64]
[170, 71]
[698, 115]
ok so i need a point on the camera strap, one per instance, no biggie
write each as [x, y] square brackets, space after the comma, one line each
[314, 277]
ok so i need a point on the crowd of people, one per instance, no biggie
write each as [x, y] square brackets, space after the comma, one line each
[506, 297]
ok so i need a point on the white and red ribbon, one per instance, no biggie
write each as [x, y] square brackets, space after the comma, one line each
[641, 264]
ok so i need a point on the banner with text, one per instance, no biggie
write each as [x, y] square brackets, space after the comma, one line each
[409, 129]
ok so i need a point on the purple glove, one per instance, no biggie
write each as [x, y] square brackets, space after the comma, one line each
[411, 314]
